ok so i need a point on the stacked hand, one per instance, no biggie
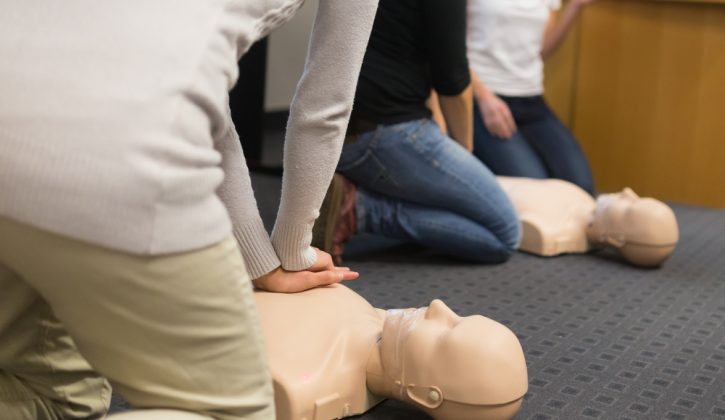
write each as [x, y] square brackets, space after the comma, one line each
[497, 116]
[322, 273]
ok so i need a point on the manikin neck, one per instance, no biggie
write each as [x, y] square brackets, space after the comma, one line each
[381, 377]
[378, 381]
[604, 228]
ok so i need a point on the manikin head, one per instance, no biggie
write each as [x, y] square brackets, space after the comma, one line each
[450, 366]
[643, 230]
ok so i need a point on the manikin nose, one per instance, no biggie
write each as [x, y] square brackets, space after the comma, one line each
[437, 310]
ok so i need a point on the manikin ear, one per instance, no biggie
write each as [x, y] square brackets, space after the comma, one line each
[427, 396]
[616, 240]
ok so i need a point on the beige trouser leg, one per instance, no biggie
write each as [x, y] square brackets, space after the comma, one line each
[173, 332]
[42, 376]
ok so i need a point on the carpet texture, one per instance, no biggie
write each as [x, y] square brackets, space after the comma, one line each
[602, 339]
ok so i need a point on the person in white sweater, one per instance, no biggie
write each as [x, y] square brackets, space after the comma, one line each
[123, 188]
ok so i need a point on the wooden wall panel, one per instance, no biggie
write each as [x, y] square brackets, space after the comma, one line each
[560, 73]
[647, 98]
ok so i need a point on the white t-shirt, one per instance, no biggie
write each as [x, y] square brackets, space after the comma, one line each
[504, 43]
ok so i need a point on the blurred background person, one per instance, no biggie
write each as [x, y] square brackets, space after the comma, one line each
[515, 132]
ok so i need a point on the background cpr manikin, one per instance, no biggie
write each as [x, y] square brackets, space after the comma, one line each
[333, 355]
[559, 217]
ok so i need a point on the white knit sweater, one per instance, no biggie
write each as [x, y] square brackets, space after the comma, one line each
[115, 129]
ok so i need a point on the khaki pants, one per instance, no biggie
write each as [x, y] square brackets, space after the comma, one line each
[178, 332]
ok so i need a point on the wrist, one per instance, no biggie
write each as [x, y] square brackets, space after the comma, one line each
[489, 96]
[262, 281]
[487, 101]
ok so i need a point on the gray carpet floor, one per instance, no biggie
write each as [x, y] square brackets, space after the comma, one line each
[602, 339]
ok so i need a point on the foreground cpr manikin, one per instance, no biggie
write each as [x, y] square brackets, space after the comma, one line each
[333, 355]
[559, 217]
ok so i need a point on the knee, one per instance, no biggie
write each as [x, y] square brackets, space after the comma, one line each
[80, 397]
[507, 231]
[509, 237]
[508, 242]
[510, 234]
[499, 256]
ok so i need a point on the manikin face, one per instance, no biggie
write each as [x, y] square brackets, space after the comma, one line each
[433, 355]
[610, 216]
[624, 217]
[643, 230]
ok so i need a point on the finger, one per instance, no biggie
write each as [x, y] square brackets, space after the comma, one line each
[504, 129]
[509, 119]
[324, 278]
[350, 275]
[305, 280]
[500, 130]
[347, 274]
[493, 128]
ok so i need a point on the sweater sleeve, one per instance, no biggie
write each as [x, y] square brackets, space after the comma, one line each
[238, 197]
[318, 119]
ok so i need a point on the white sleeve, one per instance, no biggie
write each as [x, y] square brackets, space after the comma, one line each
[238, 197]
[554, 4]
[318, 120]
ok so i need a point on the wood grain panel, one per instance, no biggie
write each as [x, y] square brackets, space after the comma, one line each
[647, 95]
[560, 71]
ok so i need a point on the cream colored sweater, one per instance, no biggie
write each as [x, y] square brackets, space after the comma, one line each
[115, 129]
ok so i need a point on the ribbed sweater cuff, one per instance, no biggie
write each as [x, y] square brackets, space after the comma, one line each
[258, 252]
[292, 244]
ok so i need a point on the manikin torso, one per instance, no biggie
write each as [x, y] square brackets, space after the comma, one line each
[318, 345]
[333, 355]
[558, 217]
[554, 214]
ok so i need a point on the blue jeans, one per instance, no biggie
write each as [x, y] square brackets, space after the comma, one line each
[418, 185]
[541, 148]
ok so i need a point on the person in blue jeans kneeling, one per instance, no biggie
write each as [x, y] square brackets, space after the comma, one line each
[402, 177]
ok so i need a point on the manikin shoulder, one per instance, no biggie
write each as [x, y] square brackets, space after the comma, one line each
[318, 344]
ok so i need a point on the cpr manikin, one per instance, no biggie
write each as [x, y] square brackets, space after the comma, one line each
[333, 355]
[559, 217]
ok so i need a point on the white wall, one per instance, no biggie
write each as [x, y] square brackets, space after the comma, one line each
[286, 54]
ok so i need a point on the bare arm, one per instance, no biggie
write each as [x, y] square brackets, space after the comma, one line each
[495, 113]
[455, 107]
[557, 29]
[435, 108]
[457, 112]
